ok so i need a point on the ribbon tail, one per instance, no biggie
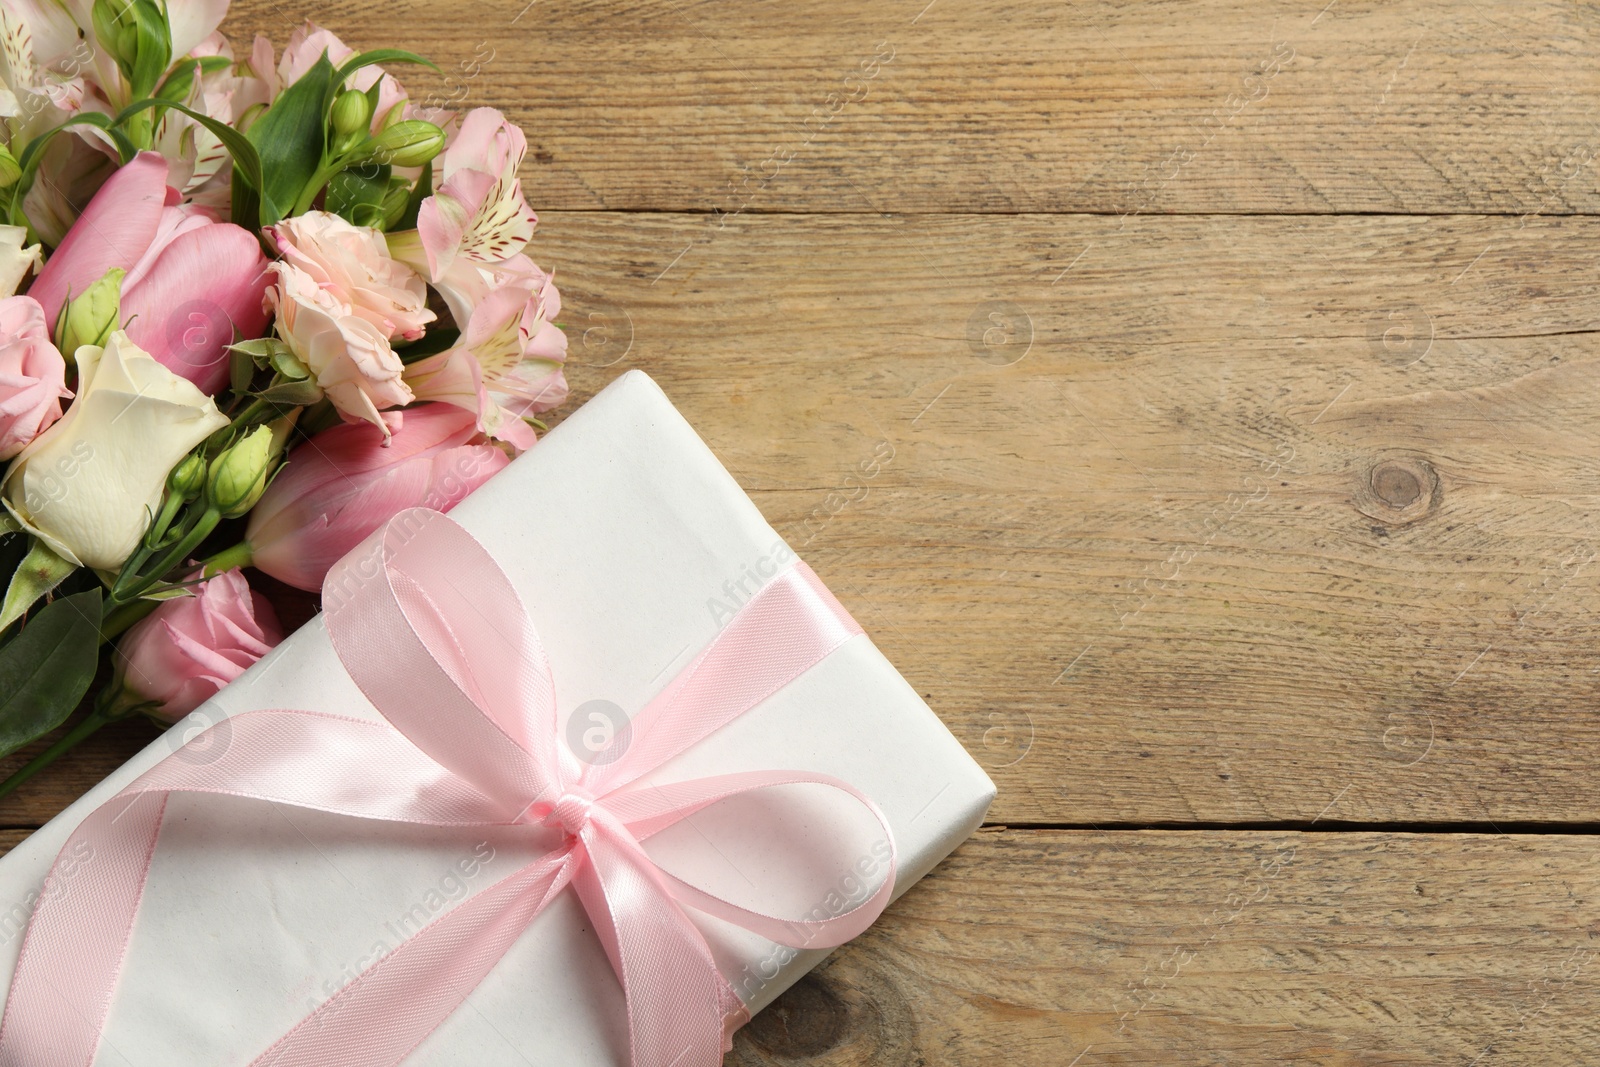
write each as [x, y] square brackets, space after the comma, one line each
[655, 947]
[430, 975]
[62, 991]
[83, 917]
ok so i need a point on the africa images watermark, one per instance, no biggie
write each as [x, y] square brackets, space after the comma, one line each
[451, 887]
[14, 920]
[851, 890]
[852, 489]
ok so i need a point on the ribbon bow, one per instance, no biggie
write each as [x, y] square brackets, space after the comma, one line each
[433, 633]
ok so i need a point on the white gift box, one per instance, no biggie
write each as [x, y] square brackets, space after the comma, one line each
[630, 546]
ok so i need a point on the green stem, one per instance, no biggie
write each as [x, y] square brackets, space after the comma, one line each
[64, 744]
[175, 555]
[119, 618]
[240, 555]
[153, 536]
[113, 704]
[323, 175]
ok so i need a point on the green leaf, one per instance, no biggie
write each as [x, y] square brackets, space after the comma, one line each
[378, 55]
[241, 371]
[292, 394]
[47, 668]
[260, 349]
[41, 571]
[181, 81]
[289, 139]
[349, 191]
[154, 50]
[246, 202]
[13, 547]
[246, 161]
[288, 365]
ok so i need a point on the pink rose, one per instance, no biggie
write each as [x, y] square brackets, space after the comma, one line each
[191, 280]
[190, 647]
[352, 263]
[32, 375]
[345, 482]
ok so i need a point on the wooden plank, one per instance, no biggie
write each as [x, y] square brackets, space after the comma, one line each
[1200, 948]
[1204, 947]
[1211, 549]
[1109, 106]
[1222, 543]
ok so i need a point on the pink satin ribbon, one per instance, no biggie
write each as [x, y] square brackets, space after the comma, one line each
[432, 632]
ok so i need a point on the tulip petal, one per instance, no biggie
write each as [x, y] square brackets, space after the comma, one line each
[113, 231]
[207, 283]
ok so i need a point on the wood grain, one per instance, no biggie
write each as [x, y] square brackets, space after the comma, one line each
[1205, 948]
[1225, 543]
[1109, 106]
[1262, 513]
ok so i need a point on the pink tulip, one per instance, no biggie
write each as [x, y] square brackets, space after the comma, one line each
[188, 648]
[191, 280]
[346, 482]
[32, 375]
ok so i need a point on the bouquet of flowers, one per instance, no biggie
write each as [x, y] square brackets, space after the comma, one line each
[294, 303]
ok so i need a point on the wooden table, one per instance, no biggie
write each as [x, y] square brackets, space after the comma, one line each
[1198, 402]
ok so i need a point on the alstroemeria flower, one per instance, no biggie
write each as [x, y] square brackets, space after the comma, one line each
[306, 45]
[198, 159]
[42, 67]
[477, 211]
[508, 363]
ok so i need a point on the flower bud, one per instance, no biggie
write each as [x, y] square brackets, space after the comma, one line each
[91, 318]
[395, 201]
[352, 113]
[239, 475]
[188, 477]
[10, 169]
[137, 35]
[410, 143]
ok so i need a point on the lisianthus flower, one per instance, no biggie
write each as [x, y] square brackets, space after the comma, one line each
[353, 263]
[32, 375]
[89, 485]
[181, 654]
[340, 299]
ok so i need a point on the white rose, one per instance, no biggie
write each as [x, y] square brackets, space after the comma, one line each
[89, 485]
